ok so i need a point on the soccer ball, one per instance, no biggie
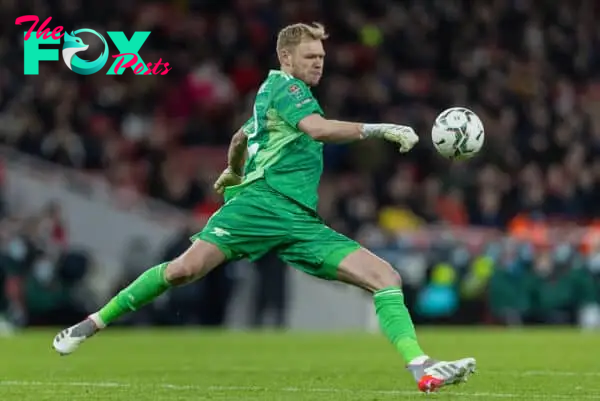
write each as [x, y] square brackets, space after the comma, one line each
[457, 133]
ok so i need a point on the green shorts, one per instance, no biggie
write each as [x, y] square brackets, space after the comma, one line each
[259, 219]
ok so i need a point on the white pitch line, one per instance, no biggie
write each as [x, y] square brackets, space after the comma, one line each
[18, 383]
[295, 390]
[558, 373]
[238, 369]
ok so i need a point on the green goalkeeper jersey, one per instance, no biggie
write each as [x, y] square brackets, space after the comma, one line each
[289, 160]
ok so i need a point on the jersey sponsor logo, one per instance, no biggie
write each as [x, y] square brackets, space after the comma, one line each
[302, 103]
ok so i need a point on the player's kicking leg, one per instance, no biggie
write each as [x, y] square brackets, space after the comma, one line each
[200, 258]
[364, 269]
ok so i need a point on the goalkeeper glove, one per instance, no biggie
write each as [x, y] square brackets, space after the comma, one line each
[226, 179]
[401, 135]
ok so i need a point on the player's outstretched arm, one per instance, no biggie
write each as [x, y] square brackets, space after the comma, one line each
[323, 130]
[335, 131]
[236, 156]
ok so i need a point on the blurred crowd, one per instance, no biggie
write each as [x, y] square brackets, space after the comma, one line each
[528, 69]
[450, 276]
[497, 280]
[46, 280]
[40, 273]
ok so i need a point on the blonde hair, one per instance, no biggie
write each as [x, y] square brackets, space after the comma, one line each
[291, 36]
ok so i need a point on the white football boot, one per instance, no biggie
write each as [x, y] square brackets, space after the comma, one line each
[431, 375]
[68, 340]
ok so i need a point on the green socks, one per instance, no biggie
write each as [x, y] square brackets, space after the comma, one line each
[394, 319]
[395, 322]
[144, 289]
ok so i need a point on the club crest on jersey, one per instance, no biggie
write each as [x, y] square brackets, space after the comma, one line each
[295, 90]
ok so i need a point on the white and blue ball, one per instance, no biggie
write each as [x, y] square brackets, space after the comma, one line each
[458, 133]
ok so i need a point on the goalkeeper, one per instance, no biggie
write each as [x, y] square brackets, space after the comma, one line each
[270, 187]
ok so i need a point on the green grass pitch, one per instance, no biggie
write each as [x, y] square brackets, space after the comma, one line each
[153, 365]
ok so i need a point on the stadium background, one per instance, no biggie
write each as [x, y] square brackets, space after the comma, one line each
[103, 176]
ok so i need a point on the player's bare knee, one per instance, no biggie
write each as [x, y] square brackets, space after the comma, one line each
[180, 271]
[377, 276]
[200, 258]
[177, 273]
[368, 271]
[383, 275]
[394, 278]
